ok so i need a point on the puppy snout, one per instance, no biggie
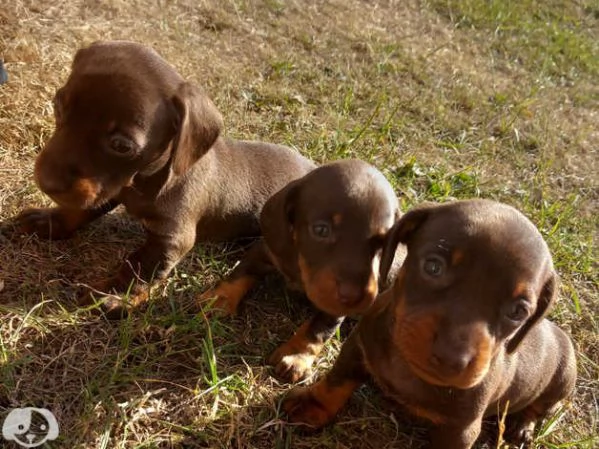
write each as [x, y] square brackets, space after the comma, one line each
[51, 178]
[451, 360]
[52, 185]
[349, 293]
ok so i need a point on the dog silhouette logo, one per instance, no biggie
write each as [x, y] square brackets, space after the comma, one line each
[30, 427]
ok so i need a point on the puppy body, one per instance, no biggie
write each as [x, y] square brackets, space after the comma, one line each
[130, 130]
[219, 207]
[527, 383]
[324, 233]
[460, 335]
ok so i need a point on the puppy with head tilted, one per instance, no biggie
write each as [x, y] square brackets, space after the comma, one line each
[325, 233]
[130, 130]
[461, 334]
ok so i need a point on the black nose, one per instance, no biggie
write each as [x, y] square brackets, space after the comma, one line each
[349, 293]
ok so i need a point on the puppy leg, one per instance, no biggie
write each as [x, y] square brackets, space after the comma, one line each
[455, 436]
[520, 426]
[57, 223]
[318, 404]
[152, 262]
[293, 360]
[228, 294]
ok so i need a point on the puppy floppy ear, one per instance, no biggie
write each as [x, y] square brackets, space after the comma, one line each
[199, 124]
[546, 299]
[401, 232]
[278, 217]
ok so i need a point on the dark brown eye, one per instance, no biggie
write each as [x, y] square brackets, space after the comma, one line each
[433, 266]
[122, 146]
[320, 230]
[517, 311]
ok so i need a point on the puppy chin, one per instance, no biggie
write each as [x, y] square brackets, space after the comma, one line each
[461, 382]
[75, 201]
[334, 307]
[362, 306]
[87, 193]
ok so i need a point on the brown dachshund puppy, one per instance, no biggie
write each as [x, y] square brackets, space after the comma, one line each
[460, 335]
[325, 233]
[130, 130]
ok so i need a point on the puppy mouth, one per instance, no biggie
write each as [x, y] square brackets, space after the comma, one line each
[335, 307]
[461, 381]
[74, 201]
[362, 305]
[85, 193]
[335, 296]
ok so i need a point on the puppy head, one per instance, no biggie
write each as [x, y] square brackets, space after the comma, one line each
[123, 112]
[333, 222]
[477, 277]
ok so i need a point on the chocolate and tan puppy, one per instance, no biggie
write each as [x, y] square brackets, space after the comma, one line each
[325, 233]
[130, 130]
[461, 334]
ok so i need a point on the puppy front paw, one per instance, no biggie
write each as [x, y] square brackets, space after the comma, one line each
[113, 305]
[114, 308]
[47, 223]
[303, 407]
[520, 431]
[219, 302]
[291, 366]
[227, 295]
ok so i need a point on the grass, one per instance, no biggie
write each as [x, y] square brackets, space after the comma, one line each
[450, 99]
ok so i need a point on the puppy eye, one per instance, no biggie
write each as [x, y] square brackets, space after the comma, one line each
[433, 266]
[121, 145]
[517, 311]
[320, 230]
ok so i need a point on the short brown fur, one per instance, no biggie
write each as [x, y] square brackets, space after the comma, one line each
[130, 130]
[325, 233]
[458, 339]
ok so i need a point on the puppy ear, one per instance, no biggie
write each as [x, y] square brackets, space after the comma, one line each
[199, 124]
[278, 216]
[546, 299]
[86, 52]
[401, 231]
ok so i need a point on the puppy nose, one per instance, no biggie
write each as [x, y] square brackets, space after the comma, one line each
[51, 184]
[52, 179]
[349, 293]
[451, 360]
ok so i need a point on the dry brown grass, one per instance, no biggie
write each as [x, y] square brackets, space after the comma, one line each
[447, 107]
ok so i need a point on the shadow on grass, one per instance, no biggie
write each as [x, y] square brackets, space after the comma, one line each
[34, 270]
[165, 377]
